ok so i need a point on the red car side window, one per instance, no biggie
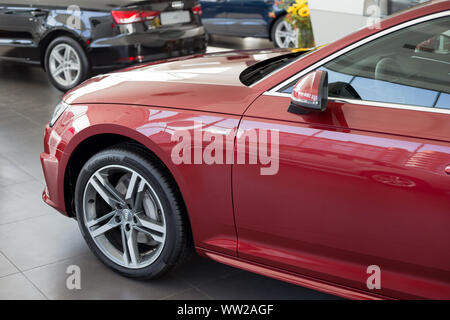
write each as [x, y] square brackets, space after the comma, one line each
[407, 67]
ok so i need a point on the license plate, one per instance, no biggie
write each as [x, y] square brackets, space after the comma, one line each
[175, 17]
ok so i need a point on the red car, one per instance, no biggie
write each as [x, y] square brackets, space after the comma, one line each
[329, 168]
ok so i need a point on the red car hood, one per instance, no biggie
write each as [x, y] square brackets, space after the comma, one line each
[207, 83]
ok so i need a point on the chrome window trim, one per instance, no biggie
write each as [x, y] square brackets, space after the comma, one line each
[373, 104]
[392, 105]
[354, 46]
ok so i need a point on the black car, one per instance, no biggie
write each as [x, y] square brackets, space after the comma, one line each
[72, 38]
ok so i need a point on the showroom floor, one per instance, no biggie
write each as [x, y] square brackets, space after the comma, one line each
[37, 245]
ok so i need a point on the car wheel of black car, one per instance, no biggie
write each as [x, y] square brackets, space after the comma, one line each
[66, 63]
[130, 214]
[283, 35]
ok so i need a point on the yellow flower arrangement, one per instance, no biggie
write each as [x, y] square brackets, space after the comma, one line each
[299, 7]
[303, 12]
[298, 16]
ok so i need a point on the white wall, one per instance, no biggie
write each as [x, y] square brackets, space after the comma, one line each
[343, 6]
[334, 19]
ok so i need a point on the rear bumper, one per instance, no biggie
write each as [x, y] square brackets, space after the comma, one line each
[124, 50]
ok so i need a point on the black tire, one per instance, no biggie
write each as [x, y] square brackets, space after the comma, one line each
[85, 67]
[178, 245]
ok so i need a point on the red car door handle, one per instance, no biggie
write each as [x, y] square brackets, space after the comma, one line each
[447, 170]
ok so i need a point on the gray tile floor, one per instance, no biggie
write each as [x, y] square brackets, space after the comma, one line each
[37, 244]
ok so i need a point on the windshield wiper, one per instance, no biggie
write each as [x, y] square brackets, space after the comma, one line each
[263, 68]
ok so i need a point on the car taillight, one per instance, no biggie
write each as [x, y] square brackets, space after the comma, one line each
[122, 17]
[197, 10]
[133, 16]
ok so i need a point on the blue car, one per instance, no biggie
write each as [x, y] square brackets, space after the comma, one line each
[263, 19]
[248, 18]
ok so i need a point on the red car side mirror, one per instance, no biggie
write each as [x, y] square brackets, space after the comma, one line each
[310, 93]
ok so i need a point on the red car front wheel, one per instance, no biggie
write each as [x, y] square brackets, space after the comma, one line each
[129, 214]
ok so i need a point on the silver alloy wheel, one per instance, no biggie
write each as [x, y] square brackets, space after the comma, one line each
[65, 65]
[285, 35]
[124, 216]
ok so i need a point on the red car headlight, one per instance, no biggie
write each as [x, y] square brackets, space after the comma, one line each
[59, 109]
